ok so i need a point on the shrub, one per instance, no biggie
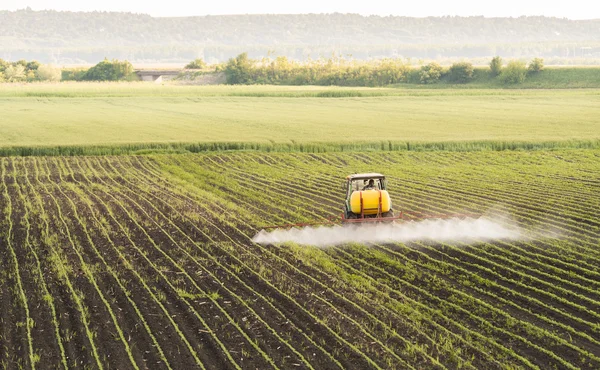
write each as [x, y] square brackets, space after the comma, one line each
[460, 72]
[1, 77]
[430, 73]
[390, 71]
[106, 70]
[536, 65]
[49, 73]
[196, 64]
[496, 66]
[73, 74]
[514, 72]
[238, 70]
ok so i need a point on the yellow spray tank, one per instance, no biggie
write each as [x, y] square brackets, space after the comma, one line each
[370, 202]
[367, 197]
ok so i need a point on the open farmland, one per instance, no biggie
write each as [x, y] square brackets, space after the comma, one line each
[148, 262]
[124, 114]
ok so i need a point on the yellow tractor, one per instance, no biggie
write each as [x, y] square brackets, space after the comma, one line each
[367, 198]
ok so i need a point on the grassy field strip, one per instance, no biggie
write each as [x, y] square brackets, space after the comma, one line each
[138, 121]
[28, 324]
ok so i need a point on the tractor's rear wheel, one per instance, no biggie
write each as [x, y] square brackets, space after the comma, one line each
[351, 216]
[387, 214]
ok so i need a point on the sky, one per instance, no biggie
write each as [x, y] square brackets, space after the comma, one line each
[573, 9]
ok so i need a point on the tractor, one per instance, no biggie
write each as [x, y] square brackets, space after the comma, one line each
[367, 199]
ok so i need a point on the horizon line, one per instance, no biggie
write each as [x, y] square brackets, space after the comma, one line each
[28, 9]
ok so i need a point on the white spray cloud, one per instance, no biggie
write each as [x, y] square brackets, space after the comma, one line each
[448, 230]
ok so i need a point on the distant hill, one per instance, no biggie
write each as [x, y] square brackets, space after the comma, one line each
[70, 37]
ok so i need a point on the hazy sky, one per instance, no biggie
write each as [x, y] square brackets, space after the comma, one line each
[573, 9]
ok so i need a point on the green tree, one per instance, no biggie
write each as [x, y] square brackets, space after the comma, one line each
[33, 65]
[15, 73]
[106, 70]
[198, 63]
[21, 62]
[460, 72]
[3, 65]
[430, 73]
[48, 73]
[496, 66]
[30, 76]
[238, 70]
[514, 72]
[536, 65]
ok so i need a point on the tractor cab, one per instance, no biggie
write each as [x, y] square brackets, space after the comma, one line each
[367, 197]
[360, 182]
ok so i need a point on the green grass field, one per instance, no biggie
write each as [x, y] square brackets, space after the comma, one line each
[121, 114]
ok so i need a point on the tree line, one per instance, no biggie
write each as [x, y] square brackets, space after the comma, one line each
[282, 71]
[23, 70]
[341, 72]
[32, 71]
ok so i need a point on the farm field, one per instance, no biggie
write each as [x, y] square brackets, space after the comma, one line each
[149, 262]
[143, 114]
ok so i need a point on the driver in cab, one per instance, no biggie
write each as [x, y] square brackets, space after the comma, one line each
[370, 185]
